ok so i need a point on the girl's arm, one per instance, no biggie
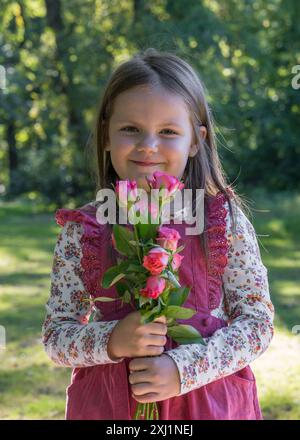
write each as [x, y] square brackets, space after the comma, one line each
[249, 309]
[68, 338]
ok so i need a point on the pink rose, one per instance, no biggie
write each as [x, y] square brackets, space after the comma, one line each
[153, 209]
[127, 191]
[144, 208]
[176, 261]
[170, 183]
[156, 260]
[168, 238]
[154, 287]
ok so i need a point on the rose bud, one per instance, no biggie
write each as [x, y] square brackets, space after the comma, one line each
[176, 261]
[154, 287]
[168, 238]
[169, 183]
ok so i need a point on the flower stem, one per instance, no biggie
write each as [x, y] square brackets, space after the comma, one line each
[146, 411]
[138, 243]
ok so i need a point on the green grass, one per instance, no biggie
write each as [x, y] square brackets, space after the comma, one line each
[33, 387]
[276, 221]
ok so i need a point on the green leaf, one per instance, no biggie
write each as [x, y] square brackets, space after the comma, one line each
[121, 288]
[105, 299]
[111, 276]
[144, 300]
[171, 277]
[185, 334]
[151, 314]
[147, 231]
[87, 300]
[180, 249]
[164, 296]
[126, 297]
[178, 312]
[178, 296]
[92, 316]
[123, 236]
[136, 268]
[136, 278]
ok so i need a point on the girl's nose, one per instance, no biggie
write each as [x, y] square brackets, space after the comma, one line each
[148, 143]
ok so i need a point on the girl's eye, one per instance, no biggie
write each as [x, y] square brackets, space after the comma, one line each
[172, 131]
[130, 127]
[122, 129]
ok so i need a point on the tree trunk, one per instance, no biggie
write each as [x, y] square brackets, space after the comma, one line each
[55, 21]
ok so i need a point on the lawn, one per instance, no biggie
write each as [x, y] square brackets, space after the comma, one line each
[32, 387]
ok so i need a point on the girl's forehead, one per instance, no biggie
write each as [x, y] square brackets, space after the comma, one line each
[138, 102]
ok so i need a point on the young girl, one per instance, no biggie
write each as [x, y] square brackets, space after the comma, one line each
[154, 116]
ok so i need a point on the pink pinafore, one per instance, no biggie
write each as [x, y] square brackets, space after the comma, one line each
[102, 392]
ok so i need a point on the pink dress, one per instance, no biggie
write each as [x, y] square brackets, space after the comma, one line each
[102, 392]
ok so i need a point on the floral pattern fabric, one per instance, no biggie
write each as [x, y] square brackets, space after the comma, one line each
[71, 340]
[245, 305]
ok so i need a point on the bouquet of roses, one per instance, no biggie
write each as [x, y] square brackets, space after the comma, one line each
[147, 269]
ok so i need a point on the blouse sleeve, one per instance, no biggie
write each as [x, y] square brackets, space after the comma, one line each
[248, 307]
[68, 338]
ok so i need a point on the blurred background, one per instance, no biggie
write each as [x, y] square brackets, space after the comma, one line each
[55, 59]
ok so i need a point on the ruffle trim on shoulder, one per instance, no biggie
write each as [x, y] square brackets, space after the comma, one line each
[93, 238]
[217, 246]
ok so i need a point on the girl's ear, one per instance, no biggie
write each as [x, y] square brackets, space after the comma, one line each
[194, 148]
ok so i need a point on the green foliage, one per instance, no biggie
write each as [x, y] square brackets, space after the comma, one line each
[111, 277]
[177, 312]
[58, 59]
[185, 334]
[178, 296]
[122, 237]
[147, 230]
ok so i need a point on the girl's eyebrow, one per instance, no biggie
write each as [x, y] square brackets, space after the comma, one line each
[160, 125]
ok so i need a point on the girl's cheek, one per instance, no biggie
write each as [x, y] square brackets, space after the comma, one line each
[123, 141]
[177, 145]
[174, 152]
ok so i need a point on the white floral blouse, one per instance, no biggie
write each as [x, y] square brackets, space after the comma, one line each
[71, 340]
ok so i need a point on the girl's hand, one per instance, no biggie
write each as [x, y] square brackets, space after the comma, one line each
[154, 379]
[130, 338]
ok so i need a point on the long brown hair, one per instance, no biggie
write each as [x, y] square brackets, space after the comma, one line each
[153, 67]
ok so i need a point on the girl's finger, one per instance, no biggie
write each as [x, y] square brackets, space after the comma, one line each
[156, 340]
[156, 328]
[139, 377]
[143, 388]
[137, 364]
[154, 350]
[147, 398]
[161, 319]
[141, 363]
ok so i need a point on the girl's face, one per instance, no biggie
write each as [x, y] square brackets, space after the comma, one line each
[150, 125]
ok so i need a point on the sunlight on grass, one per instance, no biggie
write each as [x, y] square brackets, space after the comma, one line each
[277, 373]
[287, 288]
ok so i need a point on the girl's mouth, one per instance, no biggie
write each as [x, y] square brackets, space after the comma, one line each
[146, 164]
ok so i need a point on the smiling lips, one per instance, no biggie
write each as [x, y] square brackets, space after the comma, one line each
[146, 164]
